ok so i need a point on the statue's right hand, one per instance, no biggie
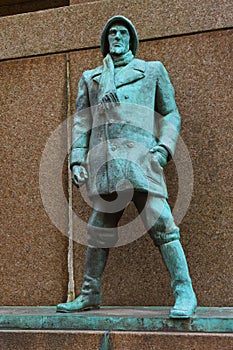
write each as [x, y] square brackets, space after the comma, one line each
[79, 175]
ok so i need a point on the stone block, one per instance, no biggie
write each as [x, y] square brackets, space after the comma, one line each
[161, 341]
[75, 2]
[64, 340]
[79, 26]
[43, 328]
[9, 8]
[33, 251]
[53, 340]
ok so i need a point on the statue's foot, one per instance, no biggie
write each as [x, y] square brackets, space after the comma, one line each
[184, 307]
[82, 303]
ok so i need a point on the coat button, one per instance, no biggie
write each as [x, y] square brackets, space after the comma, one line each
[113, 148]
[126, 97]
[130, 144]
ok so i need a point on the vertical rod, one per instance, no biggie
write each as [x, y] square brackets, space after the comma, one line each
[71, 289]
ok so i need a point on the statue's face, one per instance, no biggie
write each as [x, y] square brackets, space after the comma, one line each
[118, 38]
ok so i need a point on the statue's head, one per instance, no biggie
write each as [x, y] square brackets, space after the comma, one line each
[119, 36]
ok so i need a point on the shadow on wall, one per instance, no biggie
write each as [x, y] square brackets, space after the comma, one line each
[14, 7]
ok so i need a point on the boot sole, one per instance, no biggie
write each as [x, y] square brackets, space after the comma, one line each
[182, 316]
[179, 316]
[88, 308]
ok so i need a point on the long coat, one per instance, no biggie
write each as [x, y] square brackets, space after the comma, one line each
[116, 146]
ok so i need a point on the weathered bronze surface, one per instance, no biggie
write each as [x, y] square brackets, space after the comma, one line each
[125, 131]
[206, 319]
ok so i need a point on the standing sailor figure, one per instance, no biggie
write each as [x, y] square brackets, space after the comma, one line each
[125, 131]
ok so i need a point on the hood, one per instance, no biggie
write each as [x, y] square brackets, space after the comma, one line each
[132, 31]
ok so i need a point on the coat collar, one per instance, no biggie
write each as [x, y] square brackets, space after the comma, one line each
[134, 71]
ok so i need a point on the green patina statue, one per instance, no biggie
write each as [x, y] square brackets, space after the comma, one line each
[125, 131]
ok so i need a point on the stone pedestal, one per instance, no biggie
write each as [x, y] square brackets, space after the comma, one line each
[193, 40]
[118, 328]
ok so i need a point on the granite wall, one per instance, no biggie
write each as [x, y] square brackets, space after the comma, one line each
[14, 7]
[194, 42]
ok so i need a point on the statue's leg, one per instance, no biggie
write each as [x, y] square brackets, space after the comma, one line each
[90, 296]
[185, 299]
[102, 234]
[159, 222]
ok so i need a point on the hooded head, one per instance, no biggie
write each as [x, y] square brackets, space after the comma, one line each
[126, 23]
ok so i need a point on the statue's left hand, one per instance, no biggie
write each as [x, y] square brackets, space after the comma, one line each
[161, 154]
[161, 159]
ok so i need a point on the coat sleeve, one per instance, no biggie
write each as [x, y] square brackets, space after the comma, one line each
[81, 126]
[169, 121]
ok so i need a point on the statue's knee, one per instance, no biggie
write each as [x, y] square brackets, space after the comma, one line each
[102, 237]
[160, 238]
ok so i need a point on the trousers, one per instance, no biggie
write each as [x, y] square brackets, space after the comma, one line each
[108, 209]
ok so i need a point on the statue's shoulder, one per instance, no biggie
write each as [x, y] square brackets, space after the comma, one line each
[138, 61]
[156, 68]
[155, 64]
[151, 66]
[89, 74]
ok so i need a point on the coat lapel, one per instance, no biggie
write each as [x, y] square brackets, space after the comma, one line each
[134, 71]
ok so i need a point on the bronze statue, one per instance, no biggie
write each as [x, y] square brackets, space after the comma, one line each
[135, 145]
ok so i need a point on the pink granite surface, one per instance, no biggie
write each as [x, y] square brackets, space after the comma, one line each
[79, 26]
[33, 251]
[63, 340]
[33, 94]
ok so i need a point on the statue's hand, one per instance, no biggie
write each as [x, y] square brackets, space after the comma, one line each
[110, 100]
[161, 155]
[79, 175]
[161, 159]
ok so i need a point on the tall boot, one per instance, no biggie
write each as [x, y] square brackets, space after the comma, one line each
[90, 296]
[175, 261]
